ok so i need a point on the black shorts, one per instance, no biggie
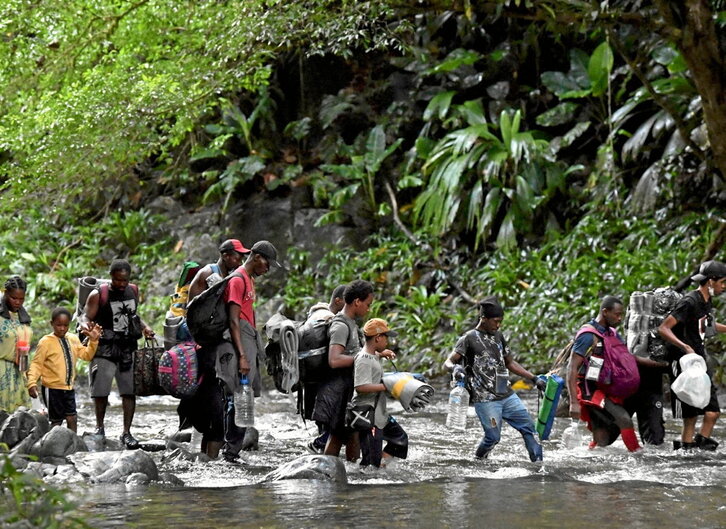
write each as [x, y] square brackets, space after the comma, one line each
[61, 403]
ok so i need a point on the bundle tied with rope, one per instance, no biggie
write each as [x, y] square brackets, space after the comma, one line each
[413, 393]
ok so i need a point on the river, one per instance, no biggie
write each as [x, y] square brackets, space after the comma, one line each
[439, 485]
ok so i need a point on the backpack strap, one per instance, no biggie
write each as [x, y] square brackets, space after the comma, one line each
[103, 293]
[597, 335]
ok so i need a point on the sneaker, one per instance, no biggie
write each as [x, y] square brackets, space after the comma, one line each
[129, 442]
[313, 449]
[99, 434]
[232, 459]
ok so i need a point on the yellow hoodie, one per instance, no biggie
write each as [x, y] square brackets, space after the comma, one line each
[55, 365]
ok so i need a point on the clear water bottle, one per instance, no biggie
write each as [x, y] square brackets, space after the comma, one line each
[195, 444]
[574, 435]
[458, 404]
[244, 404]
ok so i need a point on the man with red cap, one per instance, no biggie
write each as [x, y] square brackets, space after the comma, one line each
[231, 253]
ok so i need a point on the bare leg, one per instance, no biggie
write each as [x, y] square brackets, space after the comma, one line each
[72, 423]
[100, 404]
[128, 402]
[709, 421]
[213, 448]
[332, 447]
[689, 429]
[352, 447]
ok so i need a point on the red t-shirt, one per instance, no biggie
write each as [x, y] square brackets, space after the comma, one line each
[241, 291]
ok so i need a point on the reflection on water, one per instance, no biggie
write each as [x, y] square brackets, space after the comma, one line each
[440, 485]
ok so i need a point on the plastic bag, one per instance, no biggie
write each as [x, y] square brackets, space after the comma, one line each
[693, 386]
[574, 435]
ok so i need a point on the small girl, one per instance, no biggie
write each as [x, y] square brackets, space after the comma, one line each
[54, 362]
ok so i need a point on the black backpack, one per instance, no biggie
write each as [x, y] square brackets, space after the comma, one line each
[207, 315]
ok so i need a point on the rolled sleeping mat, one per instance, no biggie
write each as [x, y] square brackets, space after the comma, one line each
[171, 331]
[274, 324]
[288, 357]
[86, 285]
[413, 394]
[548, 410]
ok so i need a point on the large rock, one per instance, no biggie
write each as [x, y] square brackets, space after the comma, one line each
[58, 443]
[329, 468]
[17, 427]
[114, 467]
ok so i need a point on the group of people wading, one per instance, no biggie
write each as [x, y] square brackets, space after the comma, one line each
[481, 357]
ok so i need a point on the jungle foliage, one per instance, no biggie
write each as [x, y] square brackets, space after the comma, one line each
[549, 152]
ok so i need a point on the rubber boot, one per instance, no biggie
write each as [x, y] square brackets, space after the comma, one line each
[705, 443]
[630, 440]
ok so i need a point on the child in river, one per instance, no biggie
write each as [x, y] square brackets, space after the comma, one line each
[54, 363]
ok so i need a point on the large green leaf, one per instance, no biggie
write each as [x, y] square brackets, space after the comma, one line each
[439, 105]
[599, 68]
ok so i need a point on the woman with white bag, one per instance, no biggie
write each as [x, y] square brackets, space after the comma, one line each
[684, 331]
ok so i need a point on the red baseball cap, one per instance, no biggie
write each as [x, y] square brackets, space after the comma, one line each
[233, 244]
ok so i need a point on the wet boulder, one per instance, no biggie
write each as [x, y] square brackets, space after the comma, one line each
[328, 468]
[167, 478]
[57, 444]
[114, 467]
[17, 427]
[43, 422]
[137, 479]
[65, 474]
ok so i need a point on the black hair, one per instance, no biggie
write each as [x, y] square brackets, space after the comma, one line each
[609, 302]
[338, 292]
[357, 289]
[370, 338]
[16, 283]
[59, 311]
[119, 265]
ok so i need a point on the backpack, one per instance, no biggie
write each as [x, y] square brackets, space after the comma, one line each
[619, 376]
[180, 297]
[207, 315]
[312, 351]
[178, 370]
[646, 311]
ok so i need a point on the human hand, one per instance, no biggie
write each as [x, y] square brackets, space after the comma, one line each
[244, 366]
[148, 332]
[575, 410]
[539, 383]
[33, 392]
[93, 331]
[688, 350]
[387, 353]
[459, 373]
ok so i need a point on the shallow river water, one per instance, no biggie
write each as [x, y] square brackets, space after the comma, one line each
[439, 485]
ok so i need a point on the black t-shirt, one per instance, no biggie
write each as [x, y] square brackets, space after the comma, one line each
[691, 312]
[483, 353]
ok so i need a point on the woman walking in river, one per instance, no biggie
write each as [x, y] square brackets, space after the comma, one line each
[15, 336]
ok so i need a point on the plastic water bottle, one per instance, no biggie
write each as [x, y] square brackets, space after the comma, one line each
[573, 436]
[195, 443]
[244, 404]
[458, 404]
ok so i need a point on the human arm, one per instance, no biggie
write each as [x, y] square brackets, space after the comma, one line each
[515, 367]
[363, 377]
[337, 358]
[575, 364]
[666, 332]
[90, 310]
[199, 283]
[41, 352]
[234, 330]
[720, 327]
[370, 388]
[387, 353]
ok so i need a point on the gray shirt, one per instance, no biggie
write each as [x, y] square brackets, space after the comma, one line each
[368, 370]
[340, 334]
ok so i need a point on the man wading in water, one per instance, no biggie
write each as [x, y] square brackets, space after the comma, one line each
[684, 330]
[487, 363]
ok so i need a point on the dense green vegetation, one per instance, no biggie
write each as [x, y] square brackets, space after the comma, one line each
[549, 152]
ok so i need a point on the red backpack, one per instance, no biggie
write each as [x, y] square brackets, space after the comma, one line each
[619, 376]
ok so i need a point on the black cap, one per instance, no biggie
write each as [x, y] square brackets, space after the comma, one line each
[490, 307]
[267, 250]
[710, 270]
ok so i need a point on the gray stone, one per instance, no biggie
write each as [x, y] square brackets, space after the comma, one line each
[17, 427]
[59, 442]
[328, 468]
[114, 467]
[65, 474]
[170, 479]
[137, 479]
[26, 445]
[43, 422]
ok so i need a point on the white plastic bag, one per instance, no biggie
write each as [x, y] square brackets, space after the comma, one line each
[574, 435]
[693, 386]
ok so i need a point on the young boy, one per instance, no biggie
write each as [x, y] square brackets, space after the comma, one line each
[54, 362]
[369, 389]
